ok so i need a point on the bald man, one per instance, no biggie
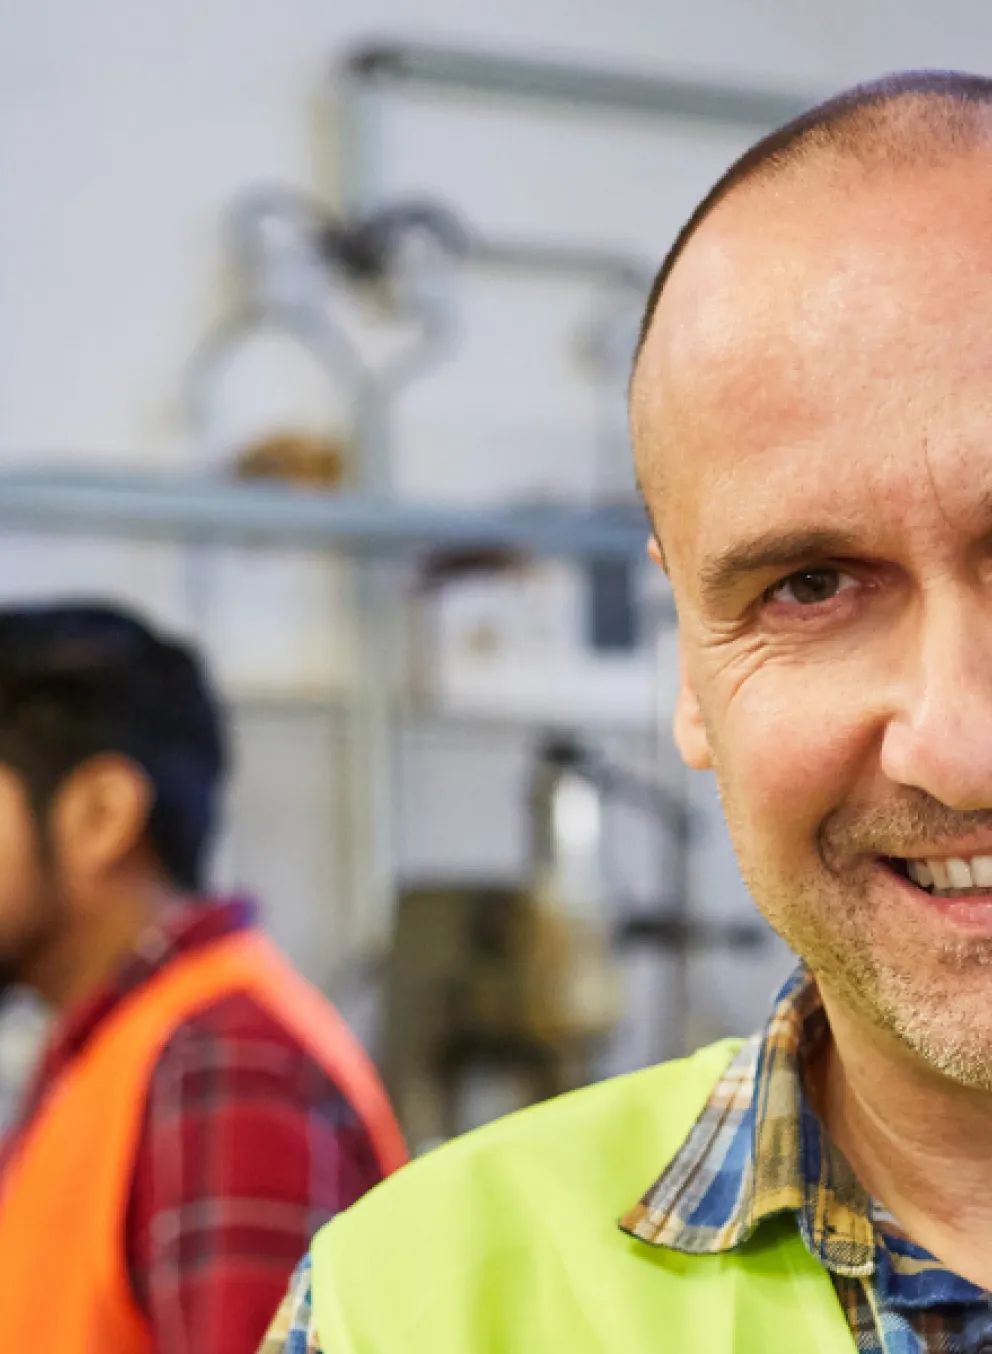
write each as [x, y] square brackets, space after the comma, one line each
[812, 418]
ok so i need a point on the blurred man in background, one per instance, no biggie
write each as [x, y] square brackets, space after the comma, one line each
[199, 1109]
[812, 422]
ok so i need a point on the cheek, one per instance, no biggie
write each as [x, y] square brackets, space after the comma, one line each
[18, 856]
[789, 750]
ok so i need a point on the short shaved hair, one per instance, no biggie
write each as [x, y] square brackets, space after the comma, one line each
[902, 118]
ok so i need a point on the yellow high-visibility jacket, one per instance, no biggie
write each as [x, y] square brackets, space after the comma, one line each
[506, 1242]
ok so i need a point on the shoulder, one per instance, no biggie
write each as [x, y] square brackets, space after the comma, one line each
[235, 1015]
[631, 1109]
[236, 1099]
[606, 1142]
[511, 1228]
[235, 1043]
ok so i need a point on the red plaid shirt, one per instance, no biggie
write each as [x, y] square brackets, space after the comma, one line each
[247, 1148]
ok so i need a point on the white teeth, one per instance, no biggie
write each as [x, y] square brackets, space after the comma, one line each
[952, 873]
[981, 870]
[920, 873]
[938, 868]
[959, 874]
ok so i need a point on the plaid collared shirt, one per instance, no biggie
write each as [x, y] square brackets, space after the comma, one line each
[247, 1148]
[759, 1149]
[756, 1151]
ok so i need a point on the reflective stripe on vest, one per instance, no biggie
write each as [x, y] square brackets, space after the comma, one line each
[506, 1242]
[63, 1198]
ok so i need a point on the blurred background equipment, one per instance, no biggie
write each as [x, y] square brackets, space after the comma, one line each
[517, 984]
[398, 512]
[500, 997]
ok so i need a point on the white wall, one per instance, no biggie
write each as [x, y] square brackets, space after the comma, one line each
[124, 131]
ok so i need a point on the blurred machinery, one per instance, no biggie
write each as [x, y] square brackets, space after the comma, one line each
[522, 987]
[517, 984]
[372, 299]
[369, 291]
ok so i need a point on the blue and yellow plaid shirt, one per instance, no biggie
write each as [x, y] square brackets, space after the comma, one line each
[758, 1150]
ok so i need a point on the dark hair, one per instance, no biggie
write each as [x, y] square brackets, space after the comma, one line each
[77, 681]
[844, 121]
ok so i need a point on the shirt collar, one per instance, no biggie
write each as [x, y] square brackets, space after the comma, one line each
[758, 1150]
[180, 928]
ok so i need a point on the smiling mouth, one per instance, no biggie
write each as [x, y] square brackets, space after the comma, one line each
[946, 876]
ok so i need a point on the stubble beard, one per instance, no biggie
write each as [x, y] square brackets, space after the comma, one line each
[926, 998]
[21, 959]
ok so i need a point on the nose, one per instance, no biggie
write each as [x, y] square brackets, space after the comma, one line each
[938, 737]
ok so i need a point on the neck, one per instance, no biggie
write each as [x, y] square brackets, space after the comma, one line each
[94, 942]
[918, 1142]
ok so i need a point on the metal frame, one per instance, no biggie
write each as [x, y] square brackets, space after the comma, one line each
[169, 507]
[429, 67]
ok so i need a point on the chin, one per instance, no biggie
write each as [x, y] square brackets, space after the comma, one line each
[949, 1032]
[966, 1062]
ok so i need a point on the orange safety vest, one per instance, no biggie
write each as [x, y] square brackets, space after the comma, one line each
[63, 1198]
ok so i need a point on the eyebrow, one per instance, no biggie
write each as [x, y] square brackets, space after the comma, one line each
[772, 550]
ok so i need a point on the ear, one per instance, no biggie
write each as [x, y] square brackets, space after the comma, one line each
[691, 738]
[656, 553]
[100, 815]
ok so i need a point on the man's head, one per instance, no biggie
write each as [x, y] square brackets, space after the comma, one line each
[812, 418]
[112, 756]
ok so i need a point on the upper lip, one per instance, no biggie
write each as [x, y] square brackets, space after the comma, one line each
[959, 850]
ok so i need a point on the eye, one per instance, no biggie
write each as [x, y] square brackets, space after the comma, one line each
[811, 587]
